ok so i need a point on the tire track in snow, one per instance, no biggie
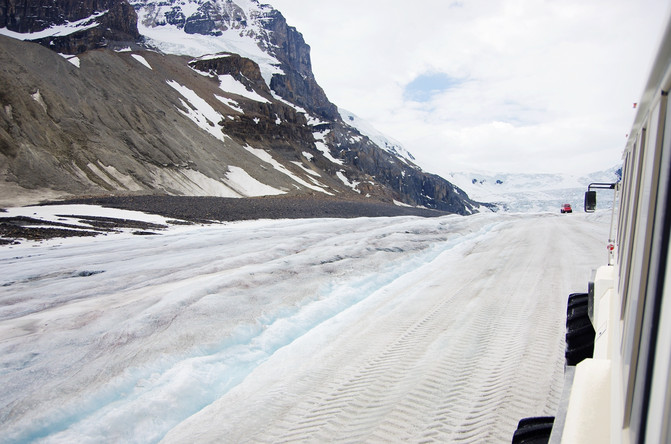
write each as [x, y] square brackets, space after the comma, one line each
[372, 392]
[438, 357]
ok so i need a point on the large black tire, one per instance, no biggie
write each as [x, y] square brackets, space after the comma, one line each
[580, 333]
[577, 299]
[578, 353]
[576, 312]
[535, 430]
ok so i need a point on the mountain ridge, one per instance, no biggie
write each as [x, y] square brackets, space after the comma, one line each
[116, 113]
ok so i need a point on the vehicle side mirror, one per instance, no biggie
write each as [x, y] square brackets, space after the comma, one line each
[590, 201]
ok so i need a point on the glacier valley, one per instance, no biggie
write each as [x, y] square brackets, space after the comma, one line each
[364, 329]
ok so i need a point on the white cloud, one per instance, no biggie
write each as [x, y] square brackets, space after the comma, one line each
[542, 86]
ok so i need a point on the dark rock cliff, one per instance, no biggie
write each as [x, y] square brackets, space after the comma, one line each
[241, 69]
[298, 84]
[116, 21]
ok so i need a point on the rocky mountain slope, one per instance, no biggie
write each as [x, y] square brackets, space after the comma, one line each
[194, 97]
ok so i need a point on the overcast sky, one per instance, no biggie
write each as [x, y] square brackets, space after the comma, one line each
[487, 85]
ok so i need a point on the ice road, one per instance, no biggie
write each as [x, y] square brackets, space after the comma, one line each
[360, 330]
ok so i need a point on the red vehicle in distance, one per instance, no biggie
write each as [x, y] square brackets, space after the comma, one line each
[566, 208]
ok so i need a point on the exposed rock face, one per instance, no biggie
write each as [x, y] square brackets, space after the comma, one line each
[210, 17]
[273, 122]
[212, 20]
[112, 125]
[414, 186]
[241, 69]
[298, 85]
[116, 21]
[276, 37]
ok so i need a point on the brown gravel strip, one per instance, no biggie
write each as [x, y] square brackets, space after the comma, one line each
[201, 209]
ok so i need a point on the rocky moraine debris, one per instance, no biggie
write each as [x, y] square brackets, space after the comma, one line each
[187, 210]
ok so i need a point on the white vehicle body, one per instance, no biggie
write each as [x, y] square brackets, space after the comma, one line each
[622, 394]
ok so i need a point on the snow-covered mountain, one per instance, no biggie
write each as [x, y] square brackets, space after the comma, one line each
[185, 97]
[196, 28]
[535, 192]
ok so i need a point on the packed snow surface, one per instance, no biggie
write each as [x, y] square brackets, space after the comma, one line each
[367, 329]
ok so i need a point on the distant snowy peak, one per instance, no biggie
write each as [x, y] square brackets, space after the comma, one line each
[211, 17]
[529, 192]
[533, 181]
[386, 143]
[215, 18]
[245, 27]
[197, 28]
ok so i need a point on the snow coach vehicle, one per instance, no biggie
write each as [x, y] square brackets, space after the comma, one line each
[618, 341]
[566, 208]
